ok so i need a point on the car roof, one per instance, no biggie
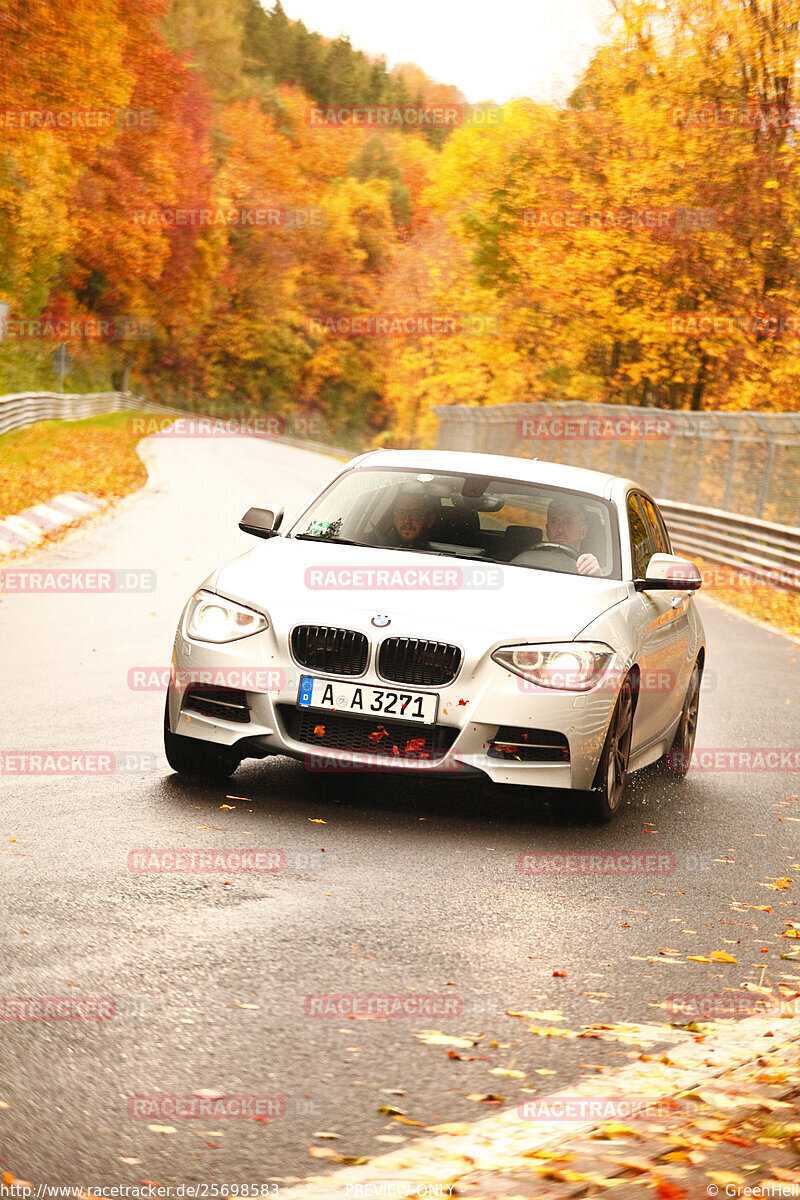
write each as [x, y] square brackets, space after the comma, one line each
[499, 466]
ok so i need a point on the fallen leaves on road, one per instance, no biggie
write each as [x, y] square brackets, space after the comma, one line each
[325, 1152]
[162, 1128]
[549, 1014]
[10, 1181]
[552, 1031]
[485, 1097]
[316, 820]
[432, 1037]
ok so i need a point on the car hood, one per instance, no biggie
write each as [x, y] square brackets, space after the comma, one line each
[528, 604]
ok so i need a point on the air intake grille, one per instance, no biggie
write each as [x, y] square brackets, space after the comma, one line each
[228, 704]
[414, 660]
[393, 739]
[332, 651]
[529, 745]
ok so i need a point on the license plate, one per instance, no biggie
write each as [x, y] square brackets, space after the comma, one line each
[367, 701]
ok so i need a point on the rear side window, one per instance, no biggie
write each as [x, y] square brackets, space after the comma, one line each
[658, 530]
[641, 539]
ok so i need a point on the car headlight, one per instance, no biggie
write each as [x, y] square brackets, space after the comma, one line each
[211, 618]
[571, 666]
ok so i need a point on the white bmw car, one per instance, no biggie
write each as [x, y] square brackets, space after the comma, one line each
[448, 612]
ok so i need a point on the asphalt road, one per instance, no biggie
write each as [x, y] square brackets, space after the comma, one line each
[409, 886]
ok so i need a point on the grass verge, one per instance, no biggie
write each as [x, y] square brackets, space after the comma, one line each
[96, 455]
[773, 605]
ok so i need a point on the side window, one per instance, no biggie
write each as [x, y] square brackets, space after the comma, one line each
[641, 542]
[657, 529]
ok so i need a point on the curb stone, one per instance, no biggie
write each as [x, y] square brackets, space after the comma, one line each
[29, 527]
[507, 1142]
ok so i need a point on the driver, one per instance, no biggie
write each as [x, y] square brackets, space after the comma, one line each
[566, 524]
[413, 518]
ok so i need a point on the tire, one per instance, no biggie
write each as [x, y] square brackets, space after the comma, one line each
[605, 798]
[679, 756]
[201, 760]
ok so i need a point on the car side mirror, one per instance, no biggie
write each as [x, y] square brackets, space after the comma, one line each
[669, 573]
[261, 522]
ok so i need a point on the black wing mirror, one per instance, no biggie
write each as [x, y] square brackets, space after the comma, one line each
[261, 522]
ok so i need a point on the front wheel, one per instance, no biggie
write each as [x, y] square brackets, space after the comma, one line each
[202, 760]
[605, 798]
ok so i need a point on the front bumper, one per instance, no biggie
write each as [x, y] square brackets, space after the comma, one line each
[484, 701]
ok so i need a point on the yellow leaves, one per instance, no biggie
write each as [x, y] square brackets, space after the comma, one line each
[552, 1031]
[432, 1037]
[505, 1071]
[550, 1014]
[722, 956]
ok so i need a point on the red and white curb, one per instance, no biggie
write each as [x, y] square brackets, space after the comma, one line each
[29, 527]
[433, 1166]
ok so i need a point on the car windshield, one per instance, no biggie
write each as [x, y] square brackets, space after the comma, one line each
[530, 525]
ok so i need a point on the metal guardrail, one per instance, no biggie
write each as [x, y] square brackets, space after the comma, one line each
[761, 548]
[764, 551]
[751, 460]
[26, 408]
[743, 462]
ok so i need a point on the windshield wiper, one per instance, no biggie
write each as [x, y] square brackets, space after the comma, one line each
[313, 537]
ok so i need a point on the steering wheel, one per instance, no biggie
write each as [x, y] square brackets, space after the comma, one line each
[574, 554]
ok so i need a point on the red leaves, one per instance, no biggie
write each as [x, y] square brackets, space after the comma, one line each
[319, 731]
[378, 734]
